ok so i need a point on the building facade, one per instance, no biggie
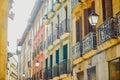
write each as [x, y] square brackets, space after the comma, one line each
[12, 72]
[95, 49]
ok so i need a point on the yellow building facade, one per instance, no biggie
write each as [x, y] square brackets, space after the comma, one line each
[96, 49]
[3, 37]
[57, 37]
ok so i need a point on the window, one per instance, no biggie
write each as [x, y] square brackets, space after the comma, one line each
[114, 69]
[91, 72]
[65, 52]
[57, 56]
[107, 9]
[51, 61]
[80, 75]
[46, 64]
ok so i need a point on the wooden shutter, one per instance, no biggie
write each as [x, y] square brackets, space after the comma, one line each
[79, 30]
[87, 26]
[107, 9]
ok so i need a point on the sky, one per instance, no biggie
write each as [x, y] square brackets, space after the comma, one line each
[16, 27]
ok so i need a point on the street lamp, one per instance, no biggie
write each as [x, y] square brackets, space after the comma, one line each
[93, 18]
[37, 63]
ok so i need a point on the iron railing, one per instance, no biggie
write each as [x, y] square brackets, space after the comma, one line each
[48, 74]
[106, 31]
[89, 42]
[74, 3]
[55, 71]
[118, 22]
[64, 26]
[77, 50]
[64, 67]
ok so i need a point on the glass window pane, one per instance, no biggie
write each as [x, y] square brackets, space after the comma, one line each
[115, 69]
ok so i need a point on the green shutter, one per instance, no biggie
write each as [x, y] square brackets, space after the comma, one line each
[65, 52]
[51, 58]
[57, 56]
[46, 63]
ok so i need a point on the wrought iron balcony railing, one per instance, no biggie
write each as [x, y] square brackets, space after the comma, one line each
[64, 67]
[50, 39]
[106, 31]
[118, 22]
[74, 3]
[77, 50]
[89, 42]
[55, 71]
[64, 26]
[48, 74]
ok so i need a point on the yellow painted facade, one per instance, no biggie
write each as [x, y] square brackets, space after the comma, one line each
[3, 37]
[105, 51]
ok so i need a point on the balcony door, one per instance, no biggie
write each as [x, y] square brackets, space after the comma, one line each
[65, 52]
[57, 56]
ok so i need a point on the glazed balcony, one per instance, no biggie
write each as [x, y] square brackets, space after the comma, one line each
[64, 28]
[57, 5]
[64, 67]
[106, 31]
[89, 42]
[74, 3]
[45, 19]
[118, 23]
[76, 51]
[55, 71]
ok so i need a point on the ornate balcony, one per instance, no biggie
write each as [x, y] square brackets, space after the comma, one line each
[48, 74]
[57, 5]
[74, 3]
[89, 42]
[64, 27]
[55, 71]
[106, 31]
[76, 51]
[118, 22]
[64, 67]
[45, 19]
